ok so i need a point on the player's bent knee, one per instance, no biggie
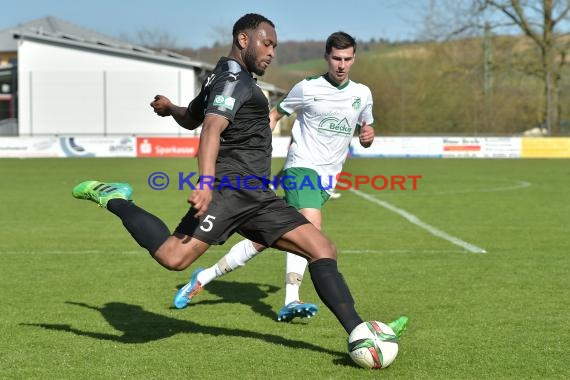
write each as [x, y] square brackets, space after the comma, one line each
[330, 251]
[171, 259]
[173, 263]
[178, 265]
[325, 250]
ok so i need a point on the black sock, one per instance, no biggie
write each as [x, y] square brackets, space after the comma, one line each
[148, 230]
[334, 292]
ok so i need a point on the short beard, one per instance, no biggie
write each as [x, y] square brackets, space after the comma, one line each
[249, 60]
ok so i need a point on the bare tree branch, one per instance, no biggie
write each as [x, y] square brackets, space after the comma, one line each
[539, 20]
[563, 13]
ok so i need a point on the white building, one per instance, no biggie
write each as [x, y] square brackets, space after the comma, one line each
[58, 78]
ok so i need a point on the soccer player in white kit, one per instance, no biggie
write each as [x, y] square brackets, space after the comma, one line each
[330, 109]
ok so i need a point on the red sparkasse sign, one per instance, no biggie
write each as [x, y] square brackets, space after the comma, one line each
[167, 146]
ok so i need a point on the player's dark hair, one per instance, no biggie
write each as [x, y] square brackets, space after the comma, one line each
[340, 40]
[249, 21]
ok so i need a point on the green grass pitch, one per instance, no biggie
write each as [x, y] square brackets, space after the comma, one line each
[81, 300]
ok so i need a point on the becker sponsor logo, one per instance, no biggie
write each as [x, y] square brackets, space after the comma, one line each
[335, 126]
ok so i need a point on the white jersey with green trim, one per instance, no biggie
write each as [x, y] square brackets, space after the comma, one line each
[327, 118]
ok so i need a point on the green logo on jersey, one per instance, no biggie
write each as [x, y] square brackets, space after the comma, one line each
[224, 101]
[335, 126]
[356, 103]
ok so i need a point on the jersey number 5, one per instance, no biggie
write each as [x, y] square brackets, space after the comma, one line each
[208, 223]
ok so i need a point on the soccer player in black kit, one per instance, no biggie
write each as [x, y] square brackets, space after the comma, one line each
[235, 143]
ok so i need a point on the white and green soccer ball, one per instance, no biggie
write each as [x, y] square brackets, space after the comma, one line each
[373, 345]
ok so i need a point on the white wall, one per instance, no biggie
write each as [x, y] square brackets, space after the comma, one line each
[67, 90]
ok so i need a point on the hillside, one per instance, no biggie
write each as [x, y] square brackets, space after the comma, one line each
[433, 88]
[288, 52]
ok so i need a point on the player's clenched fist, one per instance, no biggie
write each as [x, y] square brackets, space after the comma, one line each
[162, 105]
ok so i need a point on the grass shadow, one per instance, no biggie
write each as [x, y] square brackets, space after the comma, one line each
[137, 326]
[245, 293]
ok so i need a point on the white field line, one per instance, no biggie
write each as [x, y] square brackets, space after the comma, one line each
[62, 252]
[398, 251]
[140, 252]
[415, 220]
[518, 185]
[515, 185]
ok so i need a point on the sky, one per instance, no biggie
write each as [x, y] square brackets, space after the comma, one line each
[193, 24]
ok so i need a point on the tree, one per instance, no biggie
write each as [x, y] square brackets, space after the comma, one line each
[541, 21]
[156, 38]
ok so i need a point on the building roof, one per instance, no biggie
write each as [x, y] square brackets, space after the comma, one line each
[56, 31]
[60, 32]
[51, 25]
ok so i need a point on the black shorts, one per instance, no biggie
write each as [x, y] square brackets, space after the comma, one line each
[258, 215]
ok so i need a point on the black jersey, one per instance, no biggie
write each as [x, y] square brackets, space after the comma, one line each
[245, 145]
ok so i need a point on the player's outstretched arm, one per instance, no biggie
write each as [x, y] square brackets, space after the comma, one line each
[208, 151]
[164, 107]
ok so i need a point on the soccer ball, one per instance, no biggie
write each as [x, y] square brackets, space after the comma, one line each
[373, 345]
